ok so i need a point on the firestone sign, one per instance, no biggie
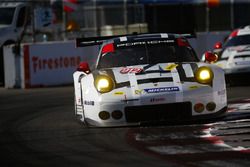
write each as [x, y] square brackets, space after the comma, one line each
[53, 64]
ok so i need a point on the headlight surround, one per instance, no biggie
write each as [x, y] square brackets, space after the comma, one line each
[104, 84]
[204, 75]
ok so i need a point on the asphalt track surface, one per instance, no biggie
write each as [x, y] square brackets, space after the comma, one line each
[38, 128]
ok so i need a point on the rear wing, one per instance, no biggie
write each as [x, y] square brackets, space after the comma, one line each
[91, 41]
[188, 36]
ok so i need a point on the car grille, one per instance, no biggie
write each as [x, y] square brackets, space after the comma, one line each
[159, 112]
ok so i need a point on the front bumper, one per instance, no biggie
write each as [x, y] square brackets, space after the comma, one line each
[173, 113]
[135, 112]
[169, 121]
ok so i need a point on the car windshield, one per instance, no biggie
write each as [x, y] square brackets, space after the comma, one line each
[6, 15]
[238, 40]
[147, 54]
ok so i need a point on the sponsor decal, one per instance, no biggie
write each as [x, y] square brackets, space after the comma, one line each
[193, 87]
[91, 103]
[163, 89]
[119, 93]
[157, 99]
[220, 65]
[139, 92]
[152, 42]
[170, 67]
[128, 100]
[134, 70]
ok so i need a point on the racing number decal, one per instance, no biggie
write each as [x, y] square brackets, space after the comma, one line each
[126, 70]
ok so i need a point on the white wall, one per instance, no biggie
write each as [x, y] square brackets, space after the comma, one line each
[44, 64]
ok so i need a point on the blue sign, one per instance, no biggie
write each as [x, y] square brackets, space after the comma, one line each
[163, 89]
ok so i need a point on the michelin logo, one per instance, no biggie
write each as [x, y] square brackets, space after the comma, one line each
[164, 89]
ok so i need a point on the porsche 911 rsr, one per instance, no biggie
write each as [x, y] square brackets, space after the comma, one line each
[238, 37]
[233, 56]
[236, 63]
[148, 78]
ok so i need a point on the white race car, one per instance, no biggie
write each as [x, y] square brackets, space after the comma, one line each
[148, 78]
[238, 37]
[234, 56]
[235, 60]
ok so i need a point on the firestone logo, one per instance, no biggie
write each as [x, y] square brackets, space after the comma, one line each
[39, 64]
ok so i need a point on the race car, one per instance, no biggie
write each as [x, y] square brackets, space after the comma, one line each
[146, 78]
[238, 37]
[234, 55]
[236, 63]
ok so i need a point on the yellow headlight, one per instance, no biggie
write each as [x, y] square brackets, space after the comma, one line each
[204, 75]
[104, 84]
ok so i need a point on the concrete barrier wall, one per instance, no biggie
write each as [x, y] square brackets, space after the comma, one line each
[10, 67]
[44, 64]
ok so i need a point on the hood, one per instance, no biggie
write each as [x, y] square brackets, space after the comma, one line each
[238, 48]
[152, 77]
[228, 56]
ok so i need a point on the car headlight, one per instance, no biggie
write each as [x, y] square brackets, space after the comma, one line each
[104, 84]
[204, 75]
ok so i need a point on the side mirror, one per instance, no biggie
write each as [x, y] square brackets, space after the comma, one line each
[218, 45]
[210, 57]
[84, 67]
